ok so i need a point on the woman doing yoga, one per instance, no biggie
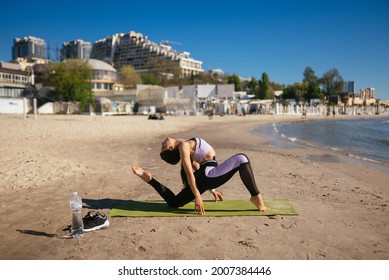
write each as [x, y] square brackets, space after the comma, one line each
[201, 172]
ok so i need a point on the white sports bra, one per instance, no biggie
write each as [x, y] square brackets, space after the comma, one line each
[202, 149]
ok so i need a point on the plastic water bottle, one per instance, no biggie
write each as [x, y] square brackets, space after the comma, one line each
[77, 228]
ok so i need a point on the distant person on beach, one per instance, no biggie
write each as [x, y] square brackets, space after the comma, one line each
[200, 172]
[333, 112]
[156, 117]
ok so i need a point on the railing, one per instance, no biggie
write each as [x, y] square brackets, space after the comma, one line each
[14, 81]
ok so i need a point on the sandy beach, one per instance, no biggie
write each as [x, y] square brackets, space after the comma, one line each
[343, 207]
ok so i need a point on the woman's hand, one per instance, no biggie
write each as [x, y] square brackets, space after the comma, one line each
[199, 206]
[217, 195]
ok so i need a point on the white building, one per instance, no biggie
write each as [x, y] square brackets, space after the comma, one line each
[14, 81]
[136, 50]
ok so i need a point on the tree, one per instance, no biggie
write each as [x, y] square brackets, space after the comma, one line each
[150, 79]
[276, 86]
[310, 76]
[177, 73]
[332, 82]
[289, 92]
[203, 78]
[234, 79]
[163, 68]
[251, 85]
[129, 77]
[311, 82]
[314, 92]
[296, 91]
[265, 90]
[71, 80]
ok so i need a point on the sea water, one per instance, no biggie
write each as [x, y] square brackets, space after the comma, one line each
[363, 139]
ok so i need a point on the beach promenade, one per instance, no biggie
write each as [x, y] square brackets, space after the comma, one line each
[343, 207]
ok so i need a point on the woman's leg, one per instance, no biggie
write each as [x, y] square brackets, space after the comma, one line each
[214, 175]
[171, 199]
[247, 176]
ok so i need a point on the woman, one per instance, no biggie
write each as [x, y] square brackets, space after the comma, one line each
[201, 172]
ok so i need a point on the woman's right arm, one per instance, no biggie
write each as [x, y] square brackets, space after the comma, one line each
[184, 150]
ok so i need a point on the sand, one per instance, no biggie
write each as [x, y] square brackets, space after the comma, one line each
[343, 207]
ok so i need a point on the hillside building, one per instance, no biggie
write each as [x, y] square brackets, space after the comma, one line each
[145, 56]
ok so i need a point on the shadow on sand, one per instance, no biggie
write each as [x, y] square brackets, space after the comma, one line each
[105, 203]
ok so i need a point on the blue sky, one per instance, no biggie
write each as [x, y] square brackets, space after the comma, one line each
[242, 37]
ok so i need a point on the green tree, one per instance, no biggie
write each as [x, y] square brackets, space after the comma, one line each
[177, 73]
[309, 76]
[296, 91]
[234, 79]
[150, 79]
[202, 78]
[331, 82]
[129, 77]
[162, 68]
[71, 81]
[311, 82]
[289, 92]
[177, 78]
[314, 92]
[250, 85]
[300, 91]
[265, 91]
[276, 86]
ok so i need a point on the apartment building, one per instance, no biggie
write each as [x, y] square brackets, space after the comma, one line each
[365, 96]
[29, 48]
[104, 49]
[348, 86]
[136, 50]
[77, 49]
[14, 82]
[367, 93]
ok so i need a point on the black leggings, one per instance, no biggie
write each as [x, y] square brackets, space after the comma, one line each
[210, 176]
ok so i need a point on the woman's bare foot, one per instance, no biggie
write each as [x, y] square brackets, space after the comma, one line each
[258, 202]
[143, 174]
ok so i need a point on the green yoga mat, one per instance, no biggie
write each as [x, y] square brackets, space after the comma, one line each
[159, 208]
